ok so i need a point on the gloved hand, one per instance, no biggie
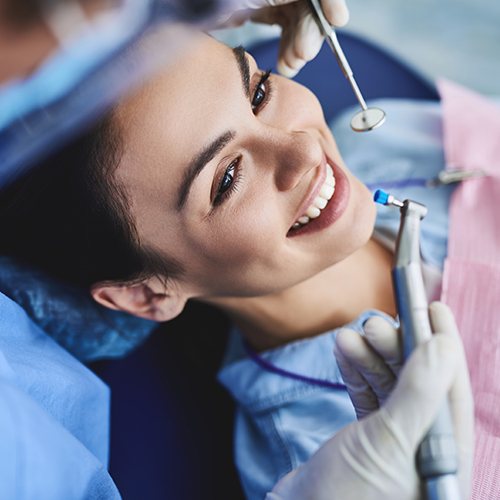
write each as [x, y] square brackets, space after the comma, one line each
[375, 457]
[370, 363]
[301, 38]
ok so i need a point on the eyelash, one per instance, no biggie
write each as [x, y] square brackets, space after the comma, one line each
[235, 175]
[263, 85]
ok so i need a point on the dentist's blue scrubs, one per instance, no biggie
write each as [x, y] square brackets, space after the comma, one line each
[54, 418]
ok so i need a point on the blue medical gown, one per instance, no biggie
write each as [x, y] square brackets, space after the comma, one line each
[54, 418]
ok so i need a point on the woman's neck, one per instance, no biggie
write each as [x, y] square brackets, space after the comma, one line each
[330, 299]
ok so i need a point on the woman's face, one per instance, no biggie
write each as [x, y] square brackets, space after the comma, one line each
[220, 163]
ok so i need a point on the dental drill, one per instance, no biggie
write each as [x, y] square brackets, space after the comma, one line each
[437, 461]
[368, 118]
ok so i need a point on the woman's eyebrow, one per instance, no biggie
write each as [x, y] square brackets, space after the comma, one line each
[241, 58]
[198, 164]
[208, 153]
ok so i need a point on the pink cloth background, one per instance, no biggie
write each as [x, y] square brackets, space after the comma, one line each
[471, 280]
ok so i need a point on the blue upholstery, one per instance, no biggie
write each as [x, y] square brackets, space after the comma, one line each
[69, 314]
[171, 423]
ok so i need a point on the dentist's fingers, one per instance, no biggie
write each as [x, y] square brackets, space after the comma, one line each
[362, 396]
[335, 11]
[422, 387]
[442, 319]
[368, 363]
[385, 340]
[300, 42]
[301, 38]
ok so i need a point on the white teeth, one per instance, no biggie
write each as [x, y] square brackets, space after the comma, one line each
[330, 181]
[321, 200]
[312, 212]
[326, 191]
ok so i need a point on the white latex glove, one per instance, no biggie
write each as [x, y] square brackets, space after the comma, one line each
[301, 38]
[370, 363]
[374, 458]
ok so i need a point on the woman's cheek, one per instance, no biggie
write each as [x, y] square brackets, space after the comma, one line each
[255, 234]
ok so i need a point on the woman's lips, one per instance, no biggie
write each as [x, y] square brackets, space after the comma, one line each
[333, 210]
[317, 183]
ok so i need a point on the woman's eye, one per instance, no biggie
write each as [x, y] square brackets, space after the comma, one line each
[227, 180]
[261, 92]
[226, 183]
[259, 96]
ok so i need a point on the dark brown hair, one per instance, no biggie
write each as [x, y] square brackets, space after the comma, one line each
[70, 217]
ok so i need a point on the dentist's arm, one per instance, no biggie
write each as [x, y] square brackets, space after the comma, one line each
[301, 38]
[374, 457]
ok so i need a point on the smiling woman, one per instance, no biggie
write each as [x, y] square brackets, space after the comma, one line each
[217, 182]
[234, 186]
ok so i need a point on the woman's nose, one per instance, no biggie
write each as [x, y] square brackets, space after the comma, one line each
[295, 154]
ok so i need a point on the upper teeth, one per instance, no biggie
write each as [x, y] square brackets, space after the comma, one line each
[321, 200]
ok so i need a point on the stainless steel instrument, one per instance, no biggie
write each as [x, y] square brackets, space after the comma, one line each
[437, 461]
[368, 118]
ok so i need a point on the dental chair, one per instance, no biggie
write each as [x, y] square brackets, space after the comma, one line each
[171, 424]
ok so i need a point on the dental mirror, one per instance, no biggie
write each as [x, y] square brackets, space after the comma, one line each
[368, 118]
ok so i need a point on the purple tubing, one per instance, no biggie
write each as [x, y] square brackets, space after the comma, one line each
[266, 365]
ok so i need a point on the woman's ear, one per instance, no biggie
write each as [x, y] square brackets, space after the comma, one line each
[149, 299]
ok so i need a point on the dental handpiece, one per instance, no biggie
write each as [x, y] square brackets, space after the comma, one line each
[368, 118]
[437, 461]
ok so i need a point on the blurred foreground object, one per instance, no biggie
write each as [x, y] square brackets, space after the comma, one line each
[63, 63]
